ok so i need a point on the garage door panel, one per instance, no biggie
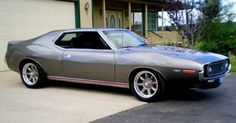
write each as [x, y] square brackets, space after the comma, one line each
[25, 19]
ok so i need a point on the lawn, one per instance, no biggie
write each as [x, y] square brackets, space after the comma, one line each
[233, 63]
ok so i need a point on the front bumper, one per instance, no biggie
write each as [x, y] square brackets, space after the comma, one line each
[207, 84]
[211, 82]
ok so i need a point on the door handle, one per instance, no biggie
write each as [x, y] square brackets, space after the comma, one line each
[67, 56]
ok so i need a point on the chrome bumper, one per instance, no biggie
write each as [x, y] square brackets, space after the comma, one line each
[202, 78]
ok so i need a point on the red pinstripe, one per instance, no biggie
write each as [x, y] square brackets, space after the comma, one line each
[89, 81]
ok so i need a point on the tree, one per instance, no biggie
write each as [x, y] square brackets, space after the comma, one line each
[184, 15]
[218, 32]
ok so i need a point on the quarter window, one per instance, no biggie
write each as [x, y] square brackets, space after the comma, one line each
[82, 40]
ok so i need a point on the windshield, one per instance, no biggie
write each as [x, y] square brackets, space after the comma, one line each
[124, 38]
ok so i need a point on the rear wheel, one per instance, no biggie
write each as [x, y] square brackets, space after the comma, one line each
[32, 75]
[148, 86]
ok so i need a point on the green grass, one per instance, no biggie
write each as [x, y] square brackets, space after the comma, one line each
[233, 63]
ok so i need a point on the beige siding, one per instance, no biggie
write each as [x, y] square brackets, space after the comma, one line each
[86, 14]
[116, 6]
[163, 37]
[98, 16]
[24, 19]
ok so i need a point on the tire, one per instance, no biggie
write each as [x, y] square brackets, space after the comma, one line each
[32, 75]
[148, 86]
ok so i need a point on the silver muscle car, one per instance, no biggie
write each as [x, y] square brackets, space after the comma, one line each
[113, 57]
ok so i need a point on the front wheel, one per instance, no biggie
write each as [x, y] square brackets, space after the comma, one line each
[148, 86]
[32, 75]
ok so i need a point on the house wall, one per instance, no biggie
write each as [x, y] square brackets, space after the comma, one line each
[25, 19]
[111, 7]
[86, 14]
[97, 16]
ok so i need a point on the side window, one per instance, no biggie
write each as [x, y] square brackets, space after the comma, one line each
[68, 37]
[82, 40]
[65, 40]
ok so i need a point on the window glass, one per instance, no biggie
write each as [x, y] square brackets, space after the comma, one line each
[68, 37]
[112, 22]
[124, 38]
[82, 40]
[152, 21]
[137, 22]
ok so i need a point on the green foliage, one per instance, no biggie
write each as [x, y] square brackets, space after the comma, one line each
[211, 9]
[218, 37]
[233, 63]
[218, 32]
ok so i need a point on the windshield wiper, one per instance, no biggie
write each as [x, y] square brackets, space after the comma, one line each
[142, 45]
[126, 46]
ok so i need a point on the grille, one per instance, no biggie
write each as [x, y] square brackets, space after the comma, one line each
[216, 68]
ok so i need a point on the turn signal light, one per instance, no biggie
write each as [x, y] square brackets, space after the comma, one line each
[189, 72]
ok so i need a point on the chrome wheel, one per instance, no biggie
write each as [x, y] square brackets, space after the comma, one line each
[30, 74]
[145, 84]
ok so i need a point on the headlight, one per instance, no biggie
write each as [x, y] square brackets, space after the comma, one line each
[209, 69]
[226, 65]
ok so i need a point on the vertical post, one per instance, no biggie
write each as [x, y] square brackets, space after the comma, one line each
[187, 23]
[186, 14]
[176, 15]
[104, 13]
[146, 20]
[92, 3]
[162, 19]
[157, 21]
[77, 14]
[129, 14]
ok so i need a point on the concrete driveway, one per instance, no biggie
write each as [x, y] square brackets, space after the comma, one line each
[60, 102]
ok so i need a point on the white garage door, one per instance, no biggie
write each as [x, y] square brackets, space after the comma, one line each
[25, 19]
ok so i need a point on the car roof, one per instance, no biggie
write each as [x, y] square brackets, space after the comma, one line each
[88, 29]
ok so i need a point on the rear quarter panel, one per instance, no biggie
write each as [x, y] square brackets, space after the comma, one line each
[40, 50]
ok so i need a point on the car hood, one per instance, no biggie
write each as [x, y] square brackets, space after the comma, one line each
[180, 53]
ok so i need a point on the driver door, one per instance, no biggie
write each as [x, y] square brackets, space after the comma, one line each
[89, 57]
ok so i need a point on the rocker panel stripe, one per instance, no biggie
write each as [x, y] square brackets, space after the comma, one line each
[89, 81]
